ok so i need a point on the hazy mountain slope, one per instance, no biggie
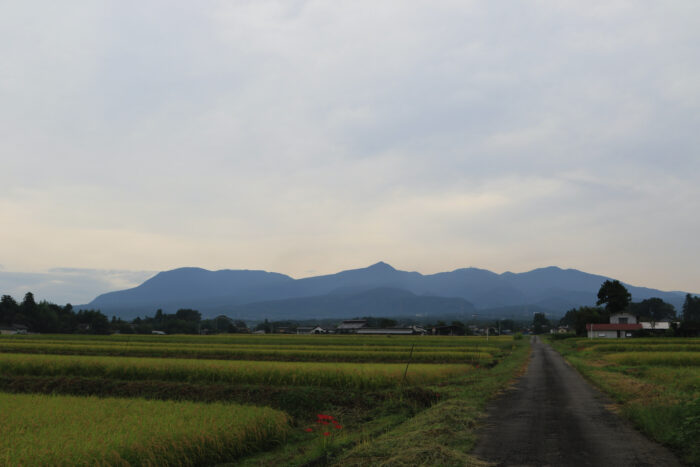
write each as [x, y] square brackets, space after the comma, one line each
[383, 301]
[188, 288]
[250, 292]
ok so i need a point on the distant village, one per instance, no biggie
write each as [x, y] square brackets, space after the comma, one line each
[619, 318]
[362, 327]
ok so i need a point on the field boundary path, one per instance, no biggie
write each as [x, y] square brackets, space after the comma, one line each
[553, 417]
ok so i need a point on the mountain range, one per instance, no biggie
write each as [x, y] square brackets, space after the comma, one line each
[377, 290]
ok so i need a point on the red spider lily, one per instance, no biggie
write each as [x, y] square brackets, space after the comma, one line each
[338, 427]
[325, 433]
[308, 430]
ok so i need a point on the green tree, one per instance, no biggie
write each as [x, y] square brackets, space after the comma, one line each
[387, 323]
[540, 323]
[264, 326]
[614, 295]
[186, 314]
[578, 318]
[691, 310]
[8, 309]
[653, 309]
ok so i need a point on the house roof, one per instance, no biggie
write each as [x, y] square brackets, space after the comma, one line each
[613, 327]
[352, 324]
[386, 331]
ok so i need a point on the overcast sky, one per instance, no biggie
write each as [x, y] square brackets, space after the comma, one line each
[306, 137]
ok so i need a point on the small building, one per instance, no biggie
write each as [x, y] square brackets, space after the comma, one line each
[350, 326]
[14, 329]
[656, 326]
[311, 330]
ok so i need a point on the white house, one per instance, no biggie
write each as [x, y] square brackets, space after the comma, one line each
[621, 325]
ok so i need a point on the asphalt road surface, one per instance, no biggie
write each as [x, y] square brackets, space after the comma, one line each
[553, 417]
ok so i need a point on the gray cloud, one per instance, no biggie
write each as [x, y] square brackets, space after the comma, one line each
[324, 135]
[69, 285]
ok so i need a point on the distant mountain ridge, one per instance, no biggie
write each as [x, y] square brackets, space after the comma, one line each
[378, 290]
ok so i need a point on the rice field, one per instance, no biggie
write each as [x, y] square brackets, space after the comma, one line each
[73, 431]
[329, 353]
[286, 340]
[337, 375]
[665, 358]
[357, 378]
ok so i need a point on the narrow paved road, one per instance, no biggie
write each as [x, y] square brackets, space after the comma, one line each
[553, 417]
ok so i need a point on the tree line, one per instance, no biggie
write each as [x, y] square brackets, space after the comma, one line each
[47, 317]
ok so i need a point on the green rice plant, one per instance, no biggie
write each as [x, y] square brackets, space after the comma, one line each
[263, 351]
[73, 431]
[292, 353]
[656, 358]
[503, 342]
[682, 379]
[647, 348]
[338, 375]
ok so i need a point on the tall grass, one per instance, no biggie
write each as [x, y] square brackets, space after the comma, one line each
[68, 431]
